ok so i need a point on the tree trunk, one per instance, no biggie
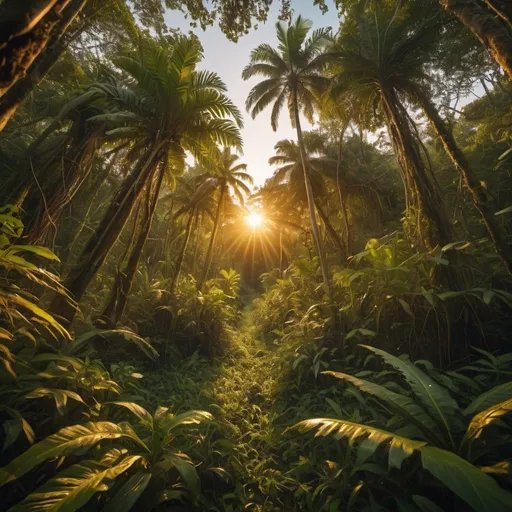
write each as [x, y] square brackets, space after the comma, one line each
[18, 92]
[492, 31]
[179, 261]
[128, 273]
[105, 235]
[311, 204]
[209, 253]
[329, 228]
[463, 167]
[341, 192]
[427, 195]
[25, 30]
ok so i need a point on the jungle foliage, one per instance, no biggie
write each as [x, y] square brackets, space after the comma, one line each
[336, 338]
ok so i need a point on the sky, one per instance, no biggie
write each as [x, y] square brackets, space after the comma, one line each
[228, 59]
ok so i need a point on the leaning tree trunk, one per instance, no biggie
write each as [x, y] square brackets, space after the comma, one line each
[503, 8]
[492, 31]
[106, 234]
[25, 30]
[126, 275]
[428, 197]
[18, 92]
[463, 167]
[311, 204]
[181, 255]
[209, 253]
[328, 226]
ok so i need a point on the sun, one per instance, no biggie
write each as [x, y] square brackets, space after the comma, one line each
[254, 220]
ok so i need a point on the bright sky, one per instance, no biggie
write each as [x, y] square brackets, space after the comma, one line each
[228, 59]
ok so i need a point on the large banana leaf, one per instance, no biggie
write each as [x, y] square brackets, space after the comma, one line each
[62, 443]
[476, 488]
[74, 487]
[437, 400]
[129, 493]
[406, 407]
[494, 396]
[486, 417]
[399, 447]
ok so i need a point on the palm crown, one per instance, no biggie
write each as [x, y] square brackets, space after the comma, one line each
[292, 71]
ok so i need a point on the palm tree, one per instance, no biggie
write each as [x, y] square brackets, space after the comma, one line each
[229, 176]
[164, 108]
[490, 23]
[372, 70]
[290, 171]
[294, 76]
[405, 76]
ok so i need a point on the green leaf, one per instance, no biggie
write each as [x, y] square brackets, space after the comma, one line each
[406, 307]
[186, 470]
[508, 209]
[64, 442]
[59, 395]
[495, 395]
[399, 447]
[129, 493]
[401, 404]
[74, 487]
[13, 431]
[424, 504]
[436, 399]
[476, 488]
[44, 252]
[486, 417]
[139, 411]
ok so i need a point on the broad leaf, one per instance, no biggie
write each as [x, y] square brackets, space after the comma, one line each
[476, 488]
[64, 442]
[59, 395]
[436, 399]
[484, 418]
[186, 470]
[74, 487]
[399, 447]
[495, 395]
[401, 404]
[129, 493]
[139, 411]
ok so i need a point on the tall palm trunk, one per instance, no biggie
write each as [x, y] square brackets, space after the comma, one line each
[209, 253]
[181, 255]
[311, 202]
[124, 282]
[106, 234]
[329, 228]
[492, 31]
[25, 30]
[341, 190]
[463, 167]
[427, 195]
[18, 92]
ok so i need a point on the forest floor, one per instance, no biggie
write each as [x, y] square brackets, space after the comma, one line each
[239, 389]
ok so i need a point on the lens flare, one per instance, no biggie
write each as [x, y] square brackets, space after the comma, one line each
[254, 220]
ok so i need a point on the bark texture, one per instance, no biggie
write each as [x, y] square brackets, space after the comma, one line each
[488, 26]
